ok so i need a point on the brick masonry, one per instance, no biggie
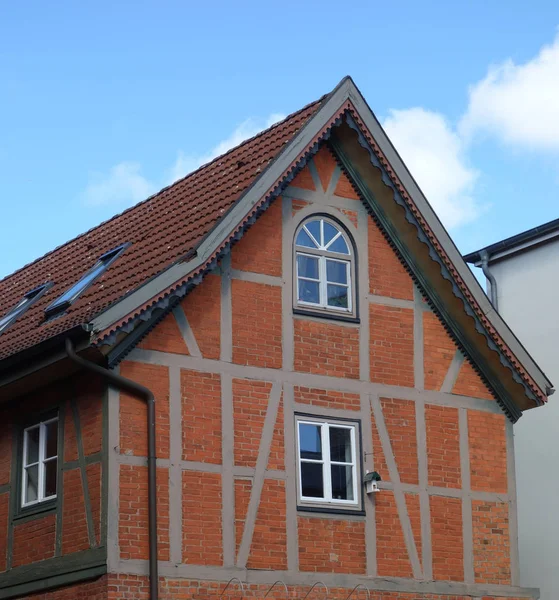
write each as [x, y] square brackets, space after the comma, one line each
[217, 500]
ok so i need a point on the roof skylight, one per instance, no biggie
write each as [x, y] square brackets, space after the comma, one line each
[70, 295]
[22, 306]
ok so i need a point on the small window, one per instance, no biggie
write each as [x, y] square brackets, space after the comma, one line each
[39, 463]
[328, 463]
[70, 295]
[324, 268]
[22, 306]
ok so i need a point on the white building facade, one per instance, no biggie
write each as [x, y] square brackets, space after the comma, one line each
[522, 274]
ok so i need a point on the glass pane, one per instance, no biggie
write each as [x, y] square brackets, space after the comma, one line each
[32, 445]
[310, 444]
[311, 480]
[309, 291]
[337, 296]
[308, 266]
[336, 272]
[342, 482]
[304, 239]
[77, 288]
[51, 469]
[339, 246]
[329, 232]
[52, 439]
[340, 444]
[31, 492]
[314, 229]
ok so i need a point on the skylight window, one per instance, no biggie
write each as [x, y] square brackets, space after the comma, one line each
[70, 295]
[22, 306]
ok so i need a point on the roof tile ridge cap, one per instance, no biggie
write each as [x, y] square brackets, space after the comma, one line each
[164, 189]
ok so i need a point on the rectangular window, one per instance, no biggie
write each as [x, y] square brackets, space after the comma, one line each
[39, 462]
[328, 463]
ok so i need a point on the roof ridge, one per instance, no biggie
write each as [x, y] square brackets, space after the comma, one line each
[162, 190]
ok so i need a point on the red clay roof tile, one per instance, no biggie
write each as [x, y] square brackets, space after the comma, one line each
[161, 230]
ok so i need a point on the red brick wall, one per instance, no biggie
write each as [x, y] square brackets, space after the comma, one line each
[391, 340]
[260, 249]
[491, 542]
[399, 416]
[392, 554]
[488, 451]
[74, 524]
[327, 398]
[201, 515]
[269, 541]
[34, 541]
[133, 411]
[387, 276]
[133, 513]
[443, 446]
[201, 416]
[323, 348]
[250, 401]
[438, 351]
[331, 546]
[469, 383]
[256, 324]
[166, 337]
[205, 324]
[446, 538]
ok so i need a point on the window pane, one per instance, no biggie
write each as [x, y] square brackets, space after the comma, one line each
[309, 291]
[314, 229]
[329, 232]
[308, 266]
[32, 445]
[340, 444]
[31, 492]
[342, 482]
[339, 246]
[51, 468]
[304, 239]
[52, 439]
[337, 296]
[336, 272]
[310, 442]
[311, 480]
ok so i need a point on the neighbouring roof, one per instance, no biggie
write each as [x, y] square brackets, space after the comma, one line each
[161, 230]
[517, 243]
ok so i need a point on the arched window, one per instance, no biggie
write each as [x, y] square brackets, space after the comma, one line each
[324, 267]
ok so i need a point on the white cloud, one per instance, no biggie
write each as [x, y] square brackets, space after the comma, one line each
[124, 184]
[186, 163]
[435, 156]
[518, 103]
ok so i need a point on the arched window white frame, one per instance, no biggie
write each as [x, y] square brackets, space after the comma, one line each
[324, 264]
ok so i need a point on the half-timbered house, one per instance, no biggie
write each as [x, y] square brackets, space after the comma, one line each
[275, 378]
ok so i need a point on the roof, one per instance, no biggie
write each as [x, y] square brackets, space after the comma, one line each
[179, 235]
[161, 230]
[517, 243]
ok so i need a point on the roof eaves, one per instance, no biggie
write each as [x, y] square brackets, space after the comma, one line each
[517, 243]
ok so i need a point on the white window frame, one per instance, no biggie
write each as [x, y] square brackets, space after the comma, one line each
[323, 254]
[325, 424]
[42, 461]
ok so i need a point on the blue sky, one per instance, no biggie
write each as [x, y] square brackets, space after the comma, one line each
[103, 103]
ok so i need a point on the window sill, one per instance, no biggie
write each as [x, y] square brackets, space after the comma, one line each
[334, 510]
[330, 316]
[37, 510]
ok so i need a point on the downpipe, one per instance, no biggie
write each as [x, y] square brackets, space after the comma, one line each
[490, 277]
[145, 394]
